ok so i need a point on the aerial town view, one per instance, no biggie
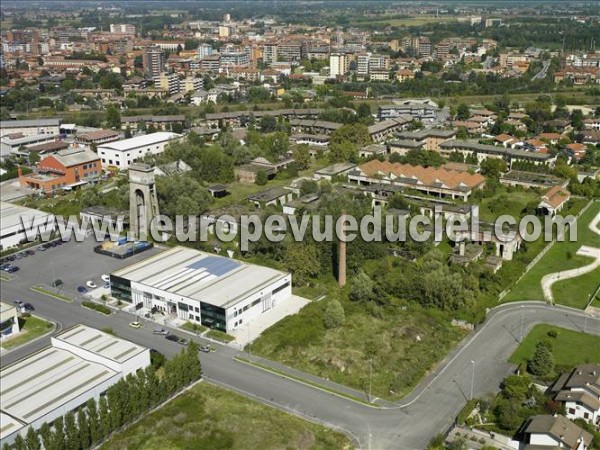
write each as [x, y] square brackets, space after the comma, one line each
[299, 224]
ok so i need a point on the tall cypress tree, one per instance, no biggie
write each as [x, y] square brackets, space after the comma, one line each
[58, 437]
[71, 431]
[83, 426]
[32, 440]
[46, 433]
[19, 443]
[104, 418]
[93, 421]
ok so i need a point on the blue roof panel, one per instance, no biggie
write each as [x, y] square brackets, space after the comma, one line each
[215, 265]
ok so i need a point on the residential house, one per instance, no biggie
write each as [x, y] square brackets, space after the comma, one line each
[554, 200]
[579, 390]
[547, 431]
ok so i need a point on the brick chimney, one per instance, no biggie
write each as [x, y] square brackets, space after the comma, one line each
[342, 255]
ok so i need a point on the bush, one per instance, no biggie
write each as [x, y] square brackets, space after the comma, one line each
[553, 334]
[96, 307]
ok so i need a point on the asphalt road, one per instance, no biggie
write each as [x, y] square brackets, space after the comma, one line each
[428, 410]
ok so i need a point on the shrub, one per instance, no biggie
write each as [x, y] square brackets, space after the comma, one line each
[96, 307]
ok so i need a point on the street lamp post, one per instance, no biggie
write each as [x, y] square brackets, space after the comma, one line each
[472, 377]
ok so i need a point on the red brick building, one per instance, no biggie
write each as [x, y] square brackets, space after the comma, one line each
[67, 168]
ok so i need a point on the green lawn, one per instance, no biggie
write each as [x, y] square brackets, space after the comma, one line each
[51, 293]
[562, 256]
[31, 327]
[576, 292]
[209, 417]
[194, 327]
[511, 201]
[220, 336]
[401, 345]
[569, 347]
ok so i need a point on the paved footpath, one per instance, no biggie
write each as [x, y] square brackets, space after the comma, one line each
[584, 250]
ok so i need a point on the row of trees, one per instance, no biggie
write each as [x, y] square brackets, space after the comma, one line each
[123, 403]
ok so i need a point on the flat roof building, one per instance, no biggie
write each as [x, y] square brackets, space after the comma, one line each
[14, 220]
[216, 291]
[121, 154]
[81, 363]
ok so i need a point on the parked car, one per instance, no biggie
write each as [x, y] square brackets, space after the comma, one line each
[91, 284]
[12, 269]
[57, 283]
[205, 348]
[177, 339]
[81, 290]
[161, 331]
[4, 266]
[135, 325]
[105, 278]
[30, 252]
[28, 307]
[19, 303]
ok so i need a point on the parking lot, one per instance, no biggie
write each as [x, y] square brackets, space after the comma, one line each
[75, 263]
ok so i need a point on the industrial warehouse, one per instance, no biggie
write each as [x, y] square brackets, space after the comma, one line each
[82, 363]
[216, 291]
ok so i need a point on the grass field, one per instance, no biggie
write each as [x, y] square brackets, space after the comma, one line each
[511, 201]
[562, 256]
[211, 417]
[576, 292]
[401, 345]
[31, 327]
[563, 346]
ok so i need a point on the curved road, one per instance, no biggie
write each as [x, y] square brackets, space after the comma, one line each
[428, 410]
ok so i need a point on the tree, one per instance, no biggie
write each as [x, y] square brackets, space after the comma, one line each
[463, 112]
[46, 434]
[113, 117]
[493, 167]
[19, 443]
[361, 287]
[462, 133]
[71, 431]
[309, 187]
[83, 426]
[128, 132]
[58, 437]
[34, 158]
[32, 440]
[104, 417]
[334, 314]
[302, 260]
[542, 361]
[301, 155]
[261, 178]
[355, 134]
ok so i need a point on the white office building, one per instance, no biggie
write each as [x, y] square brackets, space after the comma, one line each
[16, 222]
[121, 154]
[215, 291]
[81, 363]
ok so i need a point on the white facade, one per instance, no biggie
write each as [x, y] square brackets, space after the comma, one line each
[338, 65]
[121, 154]
[215, 291]
[16, 222]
